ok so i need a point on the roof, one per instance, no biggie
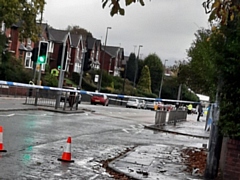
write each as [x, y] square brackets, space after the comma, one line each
[75, 38]
[24, 48]
[112, 50]
[90, 42]
[57, 35]
[203, 97]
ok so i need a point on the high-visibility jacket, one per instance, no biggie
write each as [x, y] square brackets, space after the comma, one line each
[189, 107]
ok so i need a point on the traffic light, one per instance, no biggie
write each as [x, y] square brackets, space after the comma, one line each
[34, 56]
[87, 62]
[42, 53]
[59, 59]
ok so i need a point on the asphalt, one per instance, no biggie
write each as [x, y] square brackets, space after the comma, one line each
[155, 162]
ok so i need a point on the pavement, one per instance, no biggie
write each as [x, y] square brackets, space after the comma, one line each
[155, 162]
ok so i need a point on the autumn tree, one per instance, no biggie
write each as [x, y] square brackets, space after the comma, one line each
[80, 31]
[144, 83]
[25, 13]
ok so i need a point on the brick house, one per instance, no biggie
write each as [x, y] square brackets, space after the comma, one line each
[59, 41]
[93, 52]
[112, 57]
[73, 52]
[23, 50]
[77, 47]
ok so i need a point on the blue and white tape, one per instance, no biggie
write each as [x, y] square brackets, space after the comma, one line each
[120, 96]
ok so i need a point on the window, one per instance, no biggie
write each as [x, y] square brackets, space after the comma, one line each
[43, 67]
[29, 42]
[28, 61]
[77, 54]
[77, 67]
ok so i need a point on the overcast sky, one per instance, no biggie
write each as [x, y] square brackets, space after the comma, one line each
[164, 27]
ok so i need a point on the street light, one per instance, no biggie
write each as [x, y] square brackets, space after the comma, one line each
[136, 64]
[102, 65]
[160, 89]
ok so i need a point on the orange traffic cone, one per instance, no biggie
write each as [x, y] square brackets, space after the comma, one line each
[1, 140]
[66, 156]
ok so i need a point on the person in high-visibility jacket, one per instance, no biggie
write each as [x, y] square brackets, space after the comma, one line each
[189, 107]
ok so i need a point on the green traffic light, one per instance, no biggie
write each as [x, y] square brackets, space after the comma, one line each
[41, 60]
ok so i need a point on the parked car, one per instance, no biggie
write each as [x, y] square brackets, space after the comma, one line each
[133, 103]
[70, 95]
[99, 99]
[150, 105]
[142, 103]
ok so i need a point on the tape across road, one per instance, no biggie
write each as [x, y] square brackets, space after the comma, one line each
[120, 96]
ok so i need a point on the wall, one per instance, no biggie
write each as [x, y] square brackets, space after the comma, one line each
[230, 159]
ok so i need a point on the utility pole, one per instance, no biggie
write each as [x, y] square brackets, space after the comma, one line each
[81, 72]
[102, 65]
[136, 66]
[160, 89]
[61, 75]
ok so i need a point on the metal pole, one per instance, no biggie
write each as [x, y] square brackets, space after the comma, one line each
[160, 89]
[61, 76]
[136, 68]
[102, 65]
[81, 72]
[124, 81]
[179, 92]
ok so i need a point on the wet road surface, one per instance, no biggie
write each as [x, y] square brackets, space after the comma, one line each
[34, 140]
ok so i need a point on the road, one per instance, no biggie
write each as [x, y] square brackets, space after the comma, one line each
[34, 140]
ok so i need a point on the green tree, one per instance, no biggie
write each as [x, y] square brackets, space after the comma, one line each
[144, 83]
[156, 70]
[139, 68]
[25, 13]
[131, 67]
[199, 72]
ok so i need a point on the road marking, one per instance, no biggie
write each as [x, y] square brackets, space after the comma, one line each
[94, 177]
[7, 115]
[124, 130]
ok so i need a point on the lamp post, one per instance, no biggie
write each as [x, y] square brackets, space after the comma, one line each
[102, 65]
[160, 89]
[136, 65]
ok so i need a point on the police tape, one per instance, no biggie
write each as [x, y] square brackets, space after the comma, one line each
[120, 96]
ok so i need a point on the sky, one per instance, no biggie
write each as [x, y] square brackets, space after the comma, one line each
[164, 27]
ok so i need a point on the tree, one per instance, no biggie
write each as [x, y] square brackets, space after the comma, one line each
[199, 72]
[116, 8]
[131, 67]
[156, 71]
[144, 83]
[139, 68]
[25, 13]
[80, 31]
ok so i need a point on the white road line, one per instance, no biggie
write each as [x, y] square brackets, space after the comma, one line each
[124, 130]
[7, 115]
[94, 177]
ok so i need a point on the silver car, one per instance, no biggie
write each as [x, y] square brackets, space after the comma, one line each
[142, 104]
[133, 103]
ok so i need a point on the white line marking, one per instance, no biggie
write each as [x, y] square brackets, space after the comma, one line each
[7, 115]
[125, 130]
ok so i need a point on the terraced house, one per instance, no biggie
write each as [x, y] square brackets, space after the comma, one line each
[66, 49]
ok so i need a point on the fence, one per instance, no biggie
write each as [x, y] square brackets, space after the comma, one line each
[169, 117]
